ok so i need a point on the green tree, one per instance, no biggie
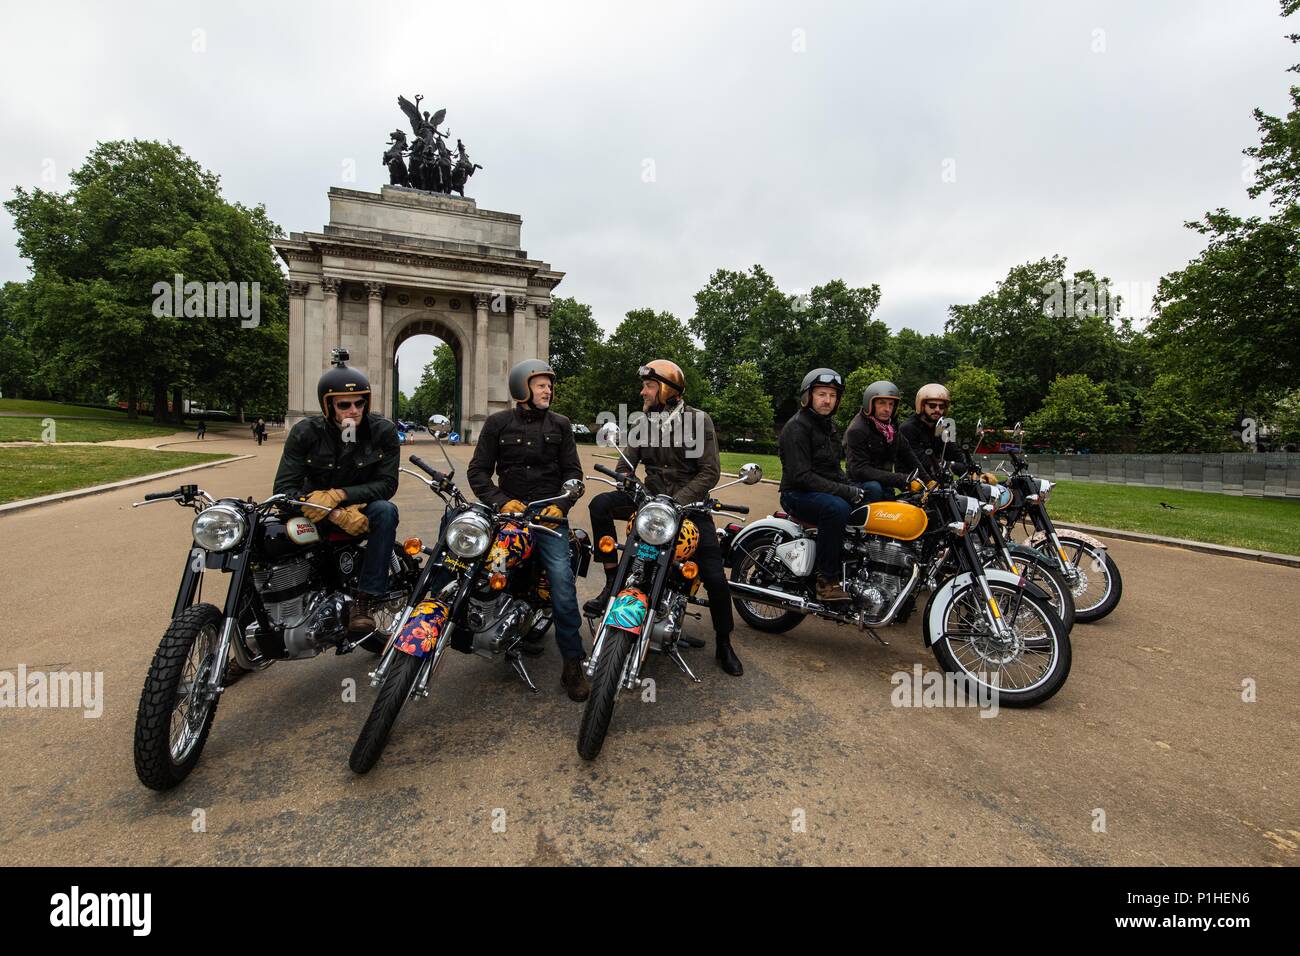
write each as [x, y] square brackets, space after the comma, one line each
[976, 394]
[1177, 417]
[1075, 415]
[138, 214]
[611, 377]
[436, 393]
[742, 409]
[18, 359]
[573, 333]
[918, 360]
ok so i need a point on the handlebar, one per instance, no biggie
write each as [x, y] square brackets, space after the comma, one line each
[738, 509]
[606, 470]
[425, 467]
[160, 495]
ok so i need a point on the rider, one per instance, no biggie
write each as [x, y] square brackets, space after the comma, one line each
[872, 446]
[344, 461]
[813, 486]
[533, 453]
[670, 470]
[932, 403]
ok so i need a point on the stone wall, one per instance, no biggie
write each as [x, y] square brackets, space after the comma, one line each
[1269, 474]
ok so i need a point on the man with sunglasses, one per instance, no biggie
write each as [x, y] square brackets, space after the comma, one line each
[814, 487]
[686, 474]
[932, 403]
[345, 461]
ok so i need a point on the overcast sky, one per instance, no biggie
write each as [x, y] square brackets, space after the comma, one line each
[927, 147]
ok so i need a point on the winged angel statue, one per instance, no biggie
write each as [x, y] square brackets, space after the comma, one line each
[425, 162]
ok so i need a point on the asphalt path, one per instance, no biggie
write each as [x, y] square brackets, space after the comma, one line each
[1149, 755]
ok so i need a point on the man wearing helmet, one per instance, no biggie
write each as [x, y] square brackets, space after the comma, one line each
[872, 445]
[533, 453]
[688, 478]
[345, 462]
[813, 486]
[932, 403]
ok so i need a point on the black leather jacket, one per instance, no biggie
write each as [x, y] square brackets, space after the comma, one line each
[532, 452]
[871, 458]
[316, 458]
[810, 452]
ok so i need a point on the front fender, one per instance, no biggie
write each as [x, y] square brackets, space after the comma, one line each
[933, 619]
[1073, 535]
[787, 527]
[628, 610]
[426, 623]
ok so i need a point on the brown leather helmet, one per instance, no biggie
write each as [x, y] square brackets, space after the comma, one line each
[933, 392]
[667, 374]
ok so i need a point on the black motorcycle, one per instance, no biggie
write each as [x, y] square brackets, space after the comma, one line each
[287, 599]
[655, 580]
[481, 592]
[1082, 560]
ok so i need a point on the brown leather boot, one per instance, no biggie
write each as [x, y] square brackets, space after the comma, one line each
[361, 615]
[830, 592]
[574, 679]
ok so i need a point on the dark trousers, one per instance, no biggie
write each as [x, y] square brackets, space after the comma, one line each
[604, 508]
[830, 513]
[382, 516]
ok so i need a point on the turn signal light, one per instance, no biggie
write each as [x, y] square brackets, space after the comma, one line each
[690, 570]
[497, 580]
[606, 544]
[412, 546]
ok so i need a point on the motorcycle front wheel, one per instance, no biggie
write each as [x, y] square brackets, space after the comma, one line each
[1093, 577]
[605, 684]
[1024, 669]
[174, 718]
[393, 693]
[1042, 571]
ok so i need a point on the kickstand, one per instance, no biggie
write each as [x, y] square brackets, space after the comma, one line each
[883, 642]
[517, 663]
[676, 657]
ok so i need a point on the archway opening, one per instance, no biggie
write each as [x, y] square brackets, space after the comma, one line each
[427, 368]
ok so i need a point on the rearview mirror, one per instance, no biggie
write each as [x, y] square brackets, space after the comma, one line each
[574, 488]
[751, 473]
[608, 436]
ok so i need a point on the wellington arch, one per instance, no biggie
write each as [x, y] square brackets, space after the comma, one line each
[402, 262]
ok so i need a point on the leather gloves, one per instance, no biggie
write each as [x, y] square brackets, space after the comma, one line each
[551, 511]
[351, 520]
[326, 501]
[514, 504]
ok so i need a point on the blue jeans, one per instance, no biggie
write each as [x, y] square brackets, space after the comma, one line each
[876, 492]
[382, 516]
[553, 552]
[830, 513]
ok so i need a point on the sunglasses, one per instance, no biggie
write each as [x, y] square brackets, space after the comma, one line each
[344, 406]
[935, 404]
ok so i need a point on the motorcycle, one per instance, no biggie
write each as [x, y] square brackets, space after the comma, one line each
[997, 551]
[288, 599]
[479, 593]
[655, 580]
[1095, 584]
[995, 627]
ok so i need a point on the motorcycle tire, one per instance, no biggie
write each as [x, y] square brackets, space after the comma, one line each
[605, 685]
[393, 693]
[161, 763]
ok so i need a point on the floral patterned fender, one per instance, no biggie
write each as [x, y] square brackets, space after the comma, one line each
[628, 610]
[420, 635]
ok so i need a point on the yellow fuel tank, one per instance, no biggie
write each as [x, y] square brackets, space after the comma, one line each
[895, 519]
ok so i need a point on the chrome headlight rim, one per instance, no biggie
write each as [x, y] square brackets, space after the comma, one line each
[971, 511]
[468, 535]
[1045, 489]
[656, 523]
[211, 536]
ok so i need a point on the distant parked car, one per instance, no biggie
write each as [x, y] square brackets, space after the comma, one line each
[580, 429]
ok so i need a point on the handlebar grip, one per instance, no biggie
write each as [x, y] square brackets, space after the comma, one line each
[738, 509]
[605, 470]
[424, 466]
[159, 495]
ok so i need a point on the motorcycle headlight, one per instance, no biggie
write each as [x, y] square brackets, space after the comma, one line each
[468, 535]
[656, 523]
[1045, 489]
[219, 528]
[1001, 496]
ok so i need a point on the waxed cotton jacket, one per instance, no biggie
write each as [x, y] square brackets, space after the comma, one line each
[316, 458]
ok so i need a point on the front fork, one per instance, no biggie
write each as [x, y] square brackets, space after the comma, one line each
[992, 612]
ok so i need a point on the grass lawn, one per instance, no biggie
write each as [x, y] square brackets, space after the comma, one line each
[13, 428]
[44, 470]
[23, 406]
[1265, 524]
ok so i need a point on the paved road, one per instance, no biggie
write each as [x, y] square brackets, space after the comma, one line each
[1150, 729]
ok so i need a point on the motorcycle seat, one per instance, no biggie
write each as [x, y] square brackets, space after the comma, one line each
[799, 521]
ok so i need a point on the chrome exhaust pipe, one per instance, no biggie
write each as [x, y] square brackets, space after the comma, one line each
[791, 602]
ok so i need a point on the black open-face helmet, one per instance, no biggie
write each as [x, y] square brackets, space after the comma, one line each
[821, 376]
[341, 380]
